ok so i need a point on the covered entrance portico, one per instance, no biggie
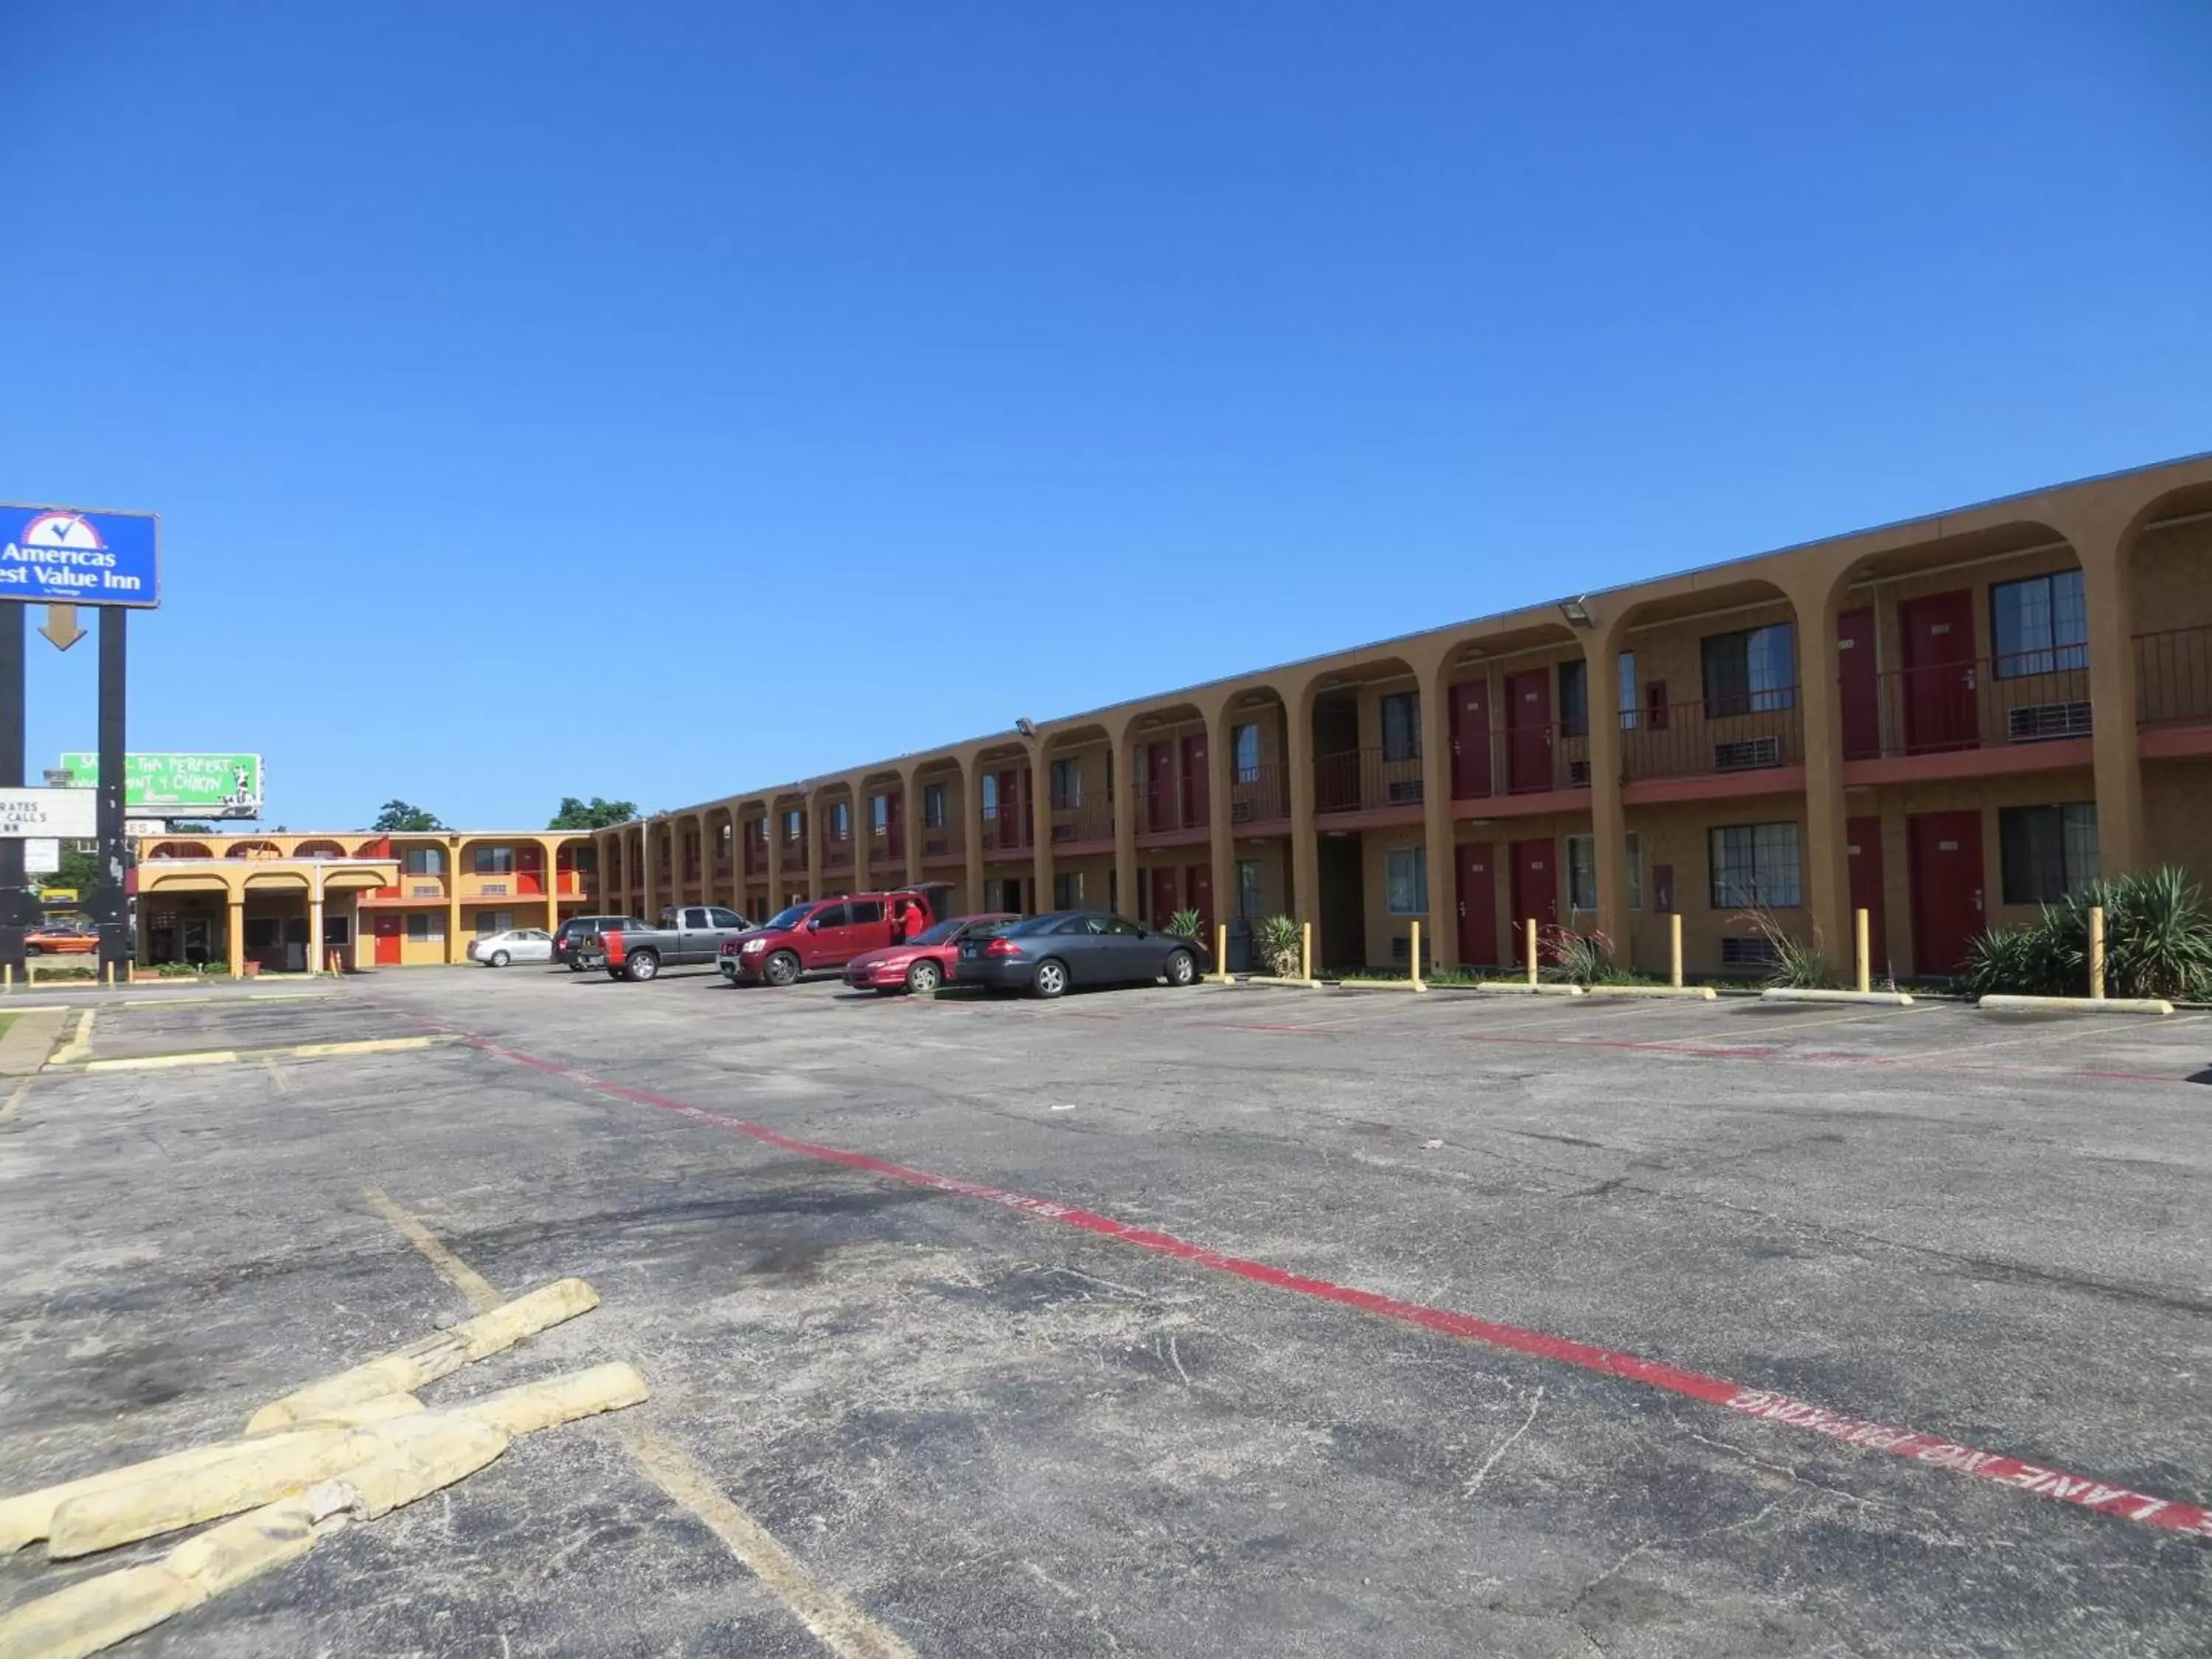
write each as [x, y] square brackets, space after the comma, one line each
[298, 915]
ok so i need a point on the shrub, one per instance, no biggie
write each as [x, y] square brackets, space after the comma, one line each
[1799, 964]
[1185, 923]
[1575, 958]
[1277, 941]
[2158, 942]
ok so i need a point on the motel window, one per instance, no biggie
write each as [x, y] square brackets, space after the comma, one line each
[795, 824]
[840, 820]
[1581, 872]
[879, 814]
[1755, 867]
[2047, 852]
[1068, 889]
[1401, 726]
[1751, 671]
[423, 861]
[1244, 752]
[422, 925]
[494, 861]
[1066, 786]
[2039, 625]
[933, 805]
[338, 930]
[990, 794]
[494, 922]
[1251, 889]
[1406, 878]
[1574, 698]
[1627, 698]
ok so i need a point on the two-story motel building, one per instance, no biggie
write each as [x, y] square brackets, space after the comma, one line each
[1945, 722]
[370, 899]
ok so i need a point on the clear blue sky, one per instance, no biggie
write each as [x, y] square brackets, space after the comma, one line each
[653, 400]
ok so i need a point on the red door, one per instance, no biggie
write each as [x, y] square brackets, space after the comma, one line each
[1470, 742]
[1478, 903]
[1861, 695]
[1863, 838]
[1197, 894]
[1163, 879]
[1528, 731]
[1011, 817]
[1159, 785]
[1939, 670]
[1535, 890]
[1944, 867]
[1194, 779]
[387, 924]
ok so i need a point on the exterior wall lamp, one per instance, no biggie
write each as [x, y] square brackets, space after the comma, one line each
[1576, 611]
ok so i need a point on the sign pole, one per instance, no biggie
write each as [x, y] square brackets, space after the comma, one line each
[14, 900]
[110, 913]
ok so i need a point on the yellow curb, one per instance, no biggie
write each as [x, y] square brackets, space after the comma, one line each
[80, 1042]
[1878, 998]
[30, 1515]
[296, 1051]
[87, 1617]
[440, 1354]
[269, 1469]
[2080, 1004]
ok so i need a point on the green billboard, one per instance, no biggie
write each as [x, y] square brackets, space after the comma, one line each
[179, 785]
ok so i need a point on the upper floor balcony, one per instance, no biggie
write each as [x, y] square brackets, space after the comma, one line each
[1007, 828]
[1366, 779]
[1259, 794]
[2174, 678]
[1082, 820]
[1988, 703]
[1739, 732]
[942, 840]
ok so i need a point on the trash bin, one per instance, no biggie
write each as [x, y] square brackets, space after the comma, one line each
[1240, 946]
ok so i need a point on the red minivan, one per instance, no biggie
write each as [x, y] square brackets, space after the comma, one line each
[823, 935]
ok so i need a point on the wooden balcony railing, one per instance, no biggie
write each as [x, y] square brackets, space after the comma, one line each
[1082, 821]
[1259, 794]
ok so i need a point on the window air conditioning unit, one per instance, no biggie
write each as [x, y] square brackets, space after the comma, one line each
[1578, 774]
[1747, 754]
[1405, 790]
[1241, 812]
[2039, 721]
[1747, 953]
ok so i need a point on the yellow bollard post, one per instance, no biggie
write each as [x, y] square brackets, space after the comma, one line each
[7, 975]
[1674, 950]
[2097, 951]
[1221, 952]
[1414, 956]
[1305, 951]
[1529, 935]
[1860, 945]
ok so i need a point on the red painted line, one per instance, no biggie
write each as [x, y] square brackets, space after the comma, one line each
[2170, 1514]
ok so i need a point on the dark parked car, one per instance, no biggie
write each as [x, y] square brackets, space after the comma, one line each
[574, 931]
[1048, 954]
[689, 934]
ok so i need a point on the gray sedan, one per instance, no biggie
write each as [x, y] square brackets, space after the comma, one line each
[1049, 953]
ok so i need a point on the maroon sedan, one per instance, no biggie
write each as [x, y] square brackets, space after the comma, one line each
[923, 964]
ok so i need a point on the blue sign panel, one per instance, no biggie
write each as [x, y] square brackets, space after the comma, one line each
[60, 555]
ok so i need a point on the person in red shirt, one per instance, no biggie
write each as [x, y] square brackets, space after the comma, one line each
[913, 922]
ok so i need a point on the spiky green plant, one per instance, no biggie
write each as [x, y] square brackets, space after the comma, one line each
[1279, 943]
[1185, 923]
[1799, 964]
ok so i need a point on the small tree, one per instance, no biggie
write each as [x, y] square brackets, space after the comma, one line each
[596, 813]
[406, 817]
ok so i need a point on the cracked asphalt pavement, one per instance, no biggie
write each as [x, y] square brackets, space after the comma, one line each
[987, 1427]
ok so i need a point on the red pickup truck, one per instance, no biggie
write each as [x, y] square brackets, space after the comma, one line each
[826, 933]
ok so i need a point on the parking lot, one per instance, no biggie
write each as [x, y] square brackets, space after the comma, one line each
[1221, 1321]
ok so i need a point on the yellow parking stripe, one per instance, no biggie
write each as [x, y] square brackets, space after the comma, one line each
[299, 1051]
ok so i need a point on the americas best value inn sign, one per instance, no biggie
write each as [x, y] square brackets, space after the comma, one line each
[60, 555]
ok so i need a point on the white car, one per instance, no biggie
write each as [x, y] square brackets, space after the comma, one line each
[516, 945]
